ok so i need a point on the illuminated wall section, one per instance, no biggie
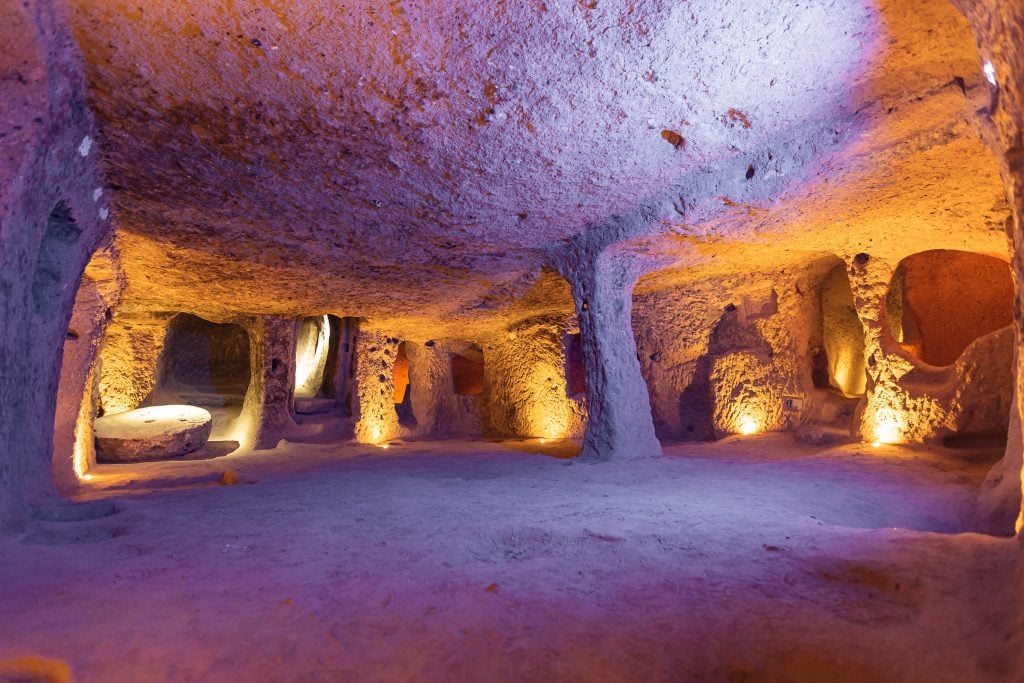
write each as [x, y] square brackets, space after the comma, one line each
[311, 350]
[909, 399]
[525, 392]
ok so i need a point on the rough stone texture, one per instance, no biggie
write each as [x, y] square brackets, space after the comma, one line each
[130, 361]
[439, 410]
[525, 393]
[311, 352]
[746, 400]
[730, 180]
[842, 334]
[705, 344]
[47, 157]
[619, 421]
[999, 502]
[376, 419]
[463, 146]
[760, 133]
[73, 446]
[999, 32]
[75, 387]
[267, 411]
[425, 175]
[910, 400]
[949, 299]
[718, 159]
[153, 433]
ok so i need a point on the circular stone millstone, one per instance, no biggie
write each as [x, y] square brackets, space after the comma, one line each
[153, 433]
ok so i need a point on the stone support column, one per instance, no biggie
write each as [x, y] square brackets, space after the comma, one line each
[376, 419]
[620, 424]
[267, 412]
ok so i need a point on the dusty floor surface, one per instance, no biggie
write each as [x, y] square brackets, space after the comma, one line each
[746, 560]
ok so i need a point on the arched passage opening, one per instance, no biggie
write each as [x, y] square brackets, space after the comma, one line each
[324, 363]
[164, 386]
[313, 344]
[403, 388]
[73, 452]
[941, 301]
[205, 363]
[467, 366]
[840, 364]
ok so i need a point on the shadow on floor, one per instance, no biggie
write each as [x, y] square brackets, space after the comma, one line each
[562, 449]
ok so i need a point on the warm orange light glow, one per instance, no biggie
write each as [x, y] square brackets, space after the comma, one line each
[747, 425]
[82, 447]
[888, 427]
[374, 428]
[376, 433]
[549, 416]
[311, 358]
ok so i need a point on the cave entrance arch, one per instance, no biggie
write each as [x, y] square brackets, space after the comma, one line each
[940, 301]
[313, 345]
[467, 366]
[841, 364]
[205, 364]
[324, 365]
[403, 388]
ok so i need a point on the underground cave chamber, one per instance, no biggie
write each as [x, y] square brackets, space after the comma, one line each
[522, 341]
[940, 361]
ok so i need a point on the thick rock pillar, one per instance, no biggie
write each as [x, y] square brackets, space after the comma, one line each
[52, 218]
[890, 413]
[999, 32]
[620, 424]
[376, 419]
[267, 412]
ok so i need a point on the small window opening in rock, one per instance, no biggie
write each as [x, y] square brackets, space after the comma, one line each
[403, 388]
[468, 370]
[941, 301]
[750, 172]
[841, 364]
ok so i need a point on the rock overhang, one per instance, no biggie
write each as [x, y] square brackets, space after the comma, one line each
[297, 157]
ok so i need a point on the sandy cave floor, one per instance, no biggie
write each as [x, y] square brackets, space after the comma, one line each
[749, 559]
